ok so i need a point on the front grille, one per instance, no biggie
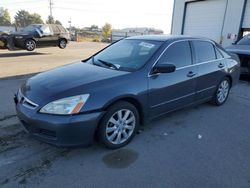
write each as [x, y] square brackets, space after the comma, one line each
[25, 101]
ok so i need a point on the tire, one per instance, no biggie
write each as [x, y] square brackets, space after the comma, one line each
[113, 131]
[30, 45]
[62, 43]
[222, 92]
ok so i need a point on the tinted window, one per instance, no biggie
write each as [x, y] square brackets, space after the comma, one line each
[128, 54]
[204, 51]
[178, 54]
[244, 41]
[55, 29]
[218, 54]
[61, 28]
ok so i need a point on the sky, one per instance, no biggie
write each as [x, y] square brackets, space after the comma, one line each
[84, 13]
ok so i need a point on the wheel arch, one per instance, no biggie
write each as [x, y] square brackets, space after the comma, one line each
[132, 100]
[230, 79]
[63, 38]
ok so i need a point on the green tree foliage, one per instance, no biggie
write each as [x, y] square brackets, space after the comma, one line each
[58, 22]
[24, 18]
[93, 27]
[107, 30]
[51, 20]
[4, 17]
[36, 19]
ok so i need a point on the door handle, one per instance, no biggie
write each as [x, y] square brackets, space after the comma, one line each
[221, 65]
[191, 74]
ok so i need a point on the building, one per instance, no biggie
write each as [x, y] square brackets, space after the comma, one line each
[224, 21]
[129, 32]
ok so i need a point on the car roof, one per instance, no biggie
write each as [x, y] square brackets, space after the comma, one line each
[165, 38]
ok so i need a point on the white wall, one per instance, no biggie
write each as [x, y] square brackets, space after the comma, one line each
[231, 25]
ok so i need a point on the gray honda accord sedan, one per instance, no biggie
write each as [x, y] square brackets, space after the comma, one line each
[127, 84]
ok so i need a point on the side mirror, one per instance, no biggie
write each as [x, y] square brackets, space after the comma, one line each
[163, 68]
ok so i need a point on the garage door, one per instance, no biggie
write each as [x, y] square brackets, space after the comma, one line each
[205, 18]
[246, 19]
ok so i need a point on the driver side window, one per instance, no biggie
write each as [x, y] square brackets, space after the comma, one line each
[178, 54]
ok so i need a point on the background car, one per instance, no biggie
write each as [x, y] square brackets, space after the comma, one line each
[39, 35]
[3, 39]
[242, 49]
[123, 86]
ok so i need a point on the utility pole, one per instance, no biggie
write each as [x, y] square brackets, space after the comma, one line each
[50, 8]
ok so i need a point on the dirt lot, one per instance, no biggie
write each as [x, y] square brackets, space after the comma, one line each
[23, 62]
[202, 146]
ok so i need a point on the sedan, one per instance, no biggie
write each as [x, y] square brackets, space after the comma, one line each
[127, 84]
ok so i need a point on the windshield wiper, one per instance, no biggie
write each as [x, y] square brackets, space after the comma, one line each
[108, 64]
[93, 61]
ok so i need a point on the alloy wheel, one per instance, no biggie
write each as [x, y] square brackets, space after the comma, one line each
[62, 44]
[120, 126]
[223, 91]
[30, 45]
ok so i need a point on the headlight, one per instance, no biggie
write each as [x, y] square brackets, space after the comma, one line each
[18, 37]
[70, 105]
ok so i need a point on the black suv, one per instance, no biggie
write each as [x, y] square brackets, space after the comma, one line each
[38, 35]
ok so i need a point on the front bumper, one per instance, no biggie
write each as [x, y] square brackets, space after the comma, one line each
[59, 130]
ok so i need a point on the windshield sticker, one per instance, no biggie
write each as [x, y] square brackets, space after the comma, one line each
[146, 45]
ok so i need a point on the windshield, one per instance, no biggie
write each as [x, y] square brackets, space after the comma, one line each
[244, 41]
[31, 28]
[127, 55]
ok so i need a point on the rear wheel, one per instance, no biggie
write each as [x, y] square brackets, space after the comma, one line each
[222, 92]
[62, 43]
[119, 125]
[30, 45]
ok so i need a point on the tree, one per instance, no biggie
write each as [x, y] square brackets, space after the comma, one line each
[4, 17]
[50, 20]
[58, 22]
[24, 18]
[93, 27]
[35, 19]
[107, 30]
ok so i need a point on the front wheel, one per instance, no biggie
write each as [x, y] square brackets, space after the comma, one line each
[119, 125]
[222, 92]
[30, 45]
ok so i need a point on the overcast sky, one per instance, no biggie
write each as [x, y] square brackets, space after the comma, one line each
[83, 13]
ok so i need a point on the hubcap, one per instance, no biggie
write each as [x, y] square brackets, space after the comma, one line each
[120, 126]
[62, 44]
[223, 91]
[30, 45]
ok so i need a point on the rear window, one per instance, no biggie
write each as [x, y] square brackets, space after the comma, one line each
[218, 54]
[204, 51]
[61, 28]
[55, 29]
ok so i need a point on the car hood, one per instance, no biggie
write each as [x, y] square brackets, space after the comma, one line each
[65, 81]
[21, 33]
[239, 49]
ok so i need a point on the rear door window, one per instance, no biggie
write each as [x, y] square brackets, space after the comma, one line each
[204, 51]
[178, 54]
[55, 29]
